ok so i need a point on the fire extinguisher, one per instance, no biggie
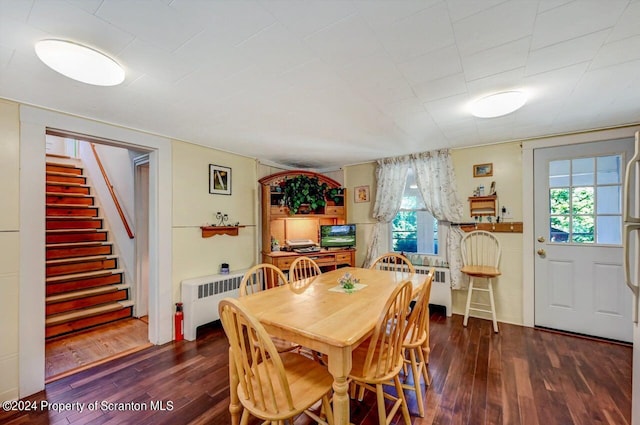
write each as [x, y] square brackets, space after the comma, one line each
[179, 322]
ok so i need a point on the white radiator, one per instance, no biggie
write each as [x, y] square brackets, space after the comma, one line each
[200, 297]
[440, 287]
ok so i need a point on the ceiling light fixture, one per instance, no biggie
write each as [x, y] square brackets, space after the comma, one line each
[80, 62]
[498, 104]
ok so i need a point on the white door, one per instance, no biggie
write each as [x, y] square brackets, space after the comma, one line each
[579, 281]
[142, 236]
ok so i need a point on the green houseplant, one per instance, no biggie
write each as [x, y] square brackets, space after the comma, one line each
[304, 190]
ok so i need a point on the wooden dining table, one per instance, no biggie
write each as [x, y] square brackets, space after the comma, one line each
[317, 314]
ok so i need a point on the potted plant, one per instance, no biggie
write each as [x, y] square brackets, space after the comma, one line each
[335, 195]
[304, 190]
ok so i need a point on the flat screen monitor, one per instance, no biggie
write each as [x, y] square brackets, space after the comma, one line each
[338, 236]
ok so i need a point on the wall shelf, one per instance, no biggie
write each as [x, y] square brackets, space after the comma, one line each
[208, 231]
[505, 227]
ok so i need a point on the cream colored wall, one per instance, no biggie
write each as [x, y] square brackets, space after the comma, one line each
[361, 213]
[507, 173]
[9, 248]
[194, 206]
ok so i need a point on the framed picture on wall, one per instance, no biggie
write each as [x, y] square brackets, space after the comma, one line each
[219, 180]
[483, 170]
[361, 194]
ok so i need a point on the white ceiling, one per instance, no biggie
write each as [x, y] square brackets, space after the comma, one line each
[321, 84]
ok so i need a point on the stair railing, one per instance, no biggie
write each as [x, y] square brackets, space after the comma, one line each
[113, 193]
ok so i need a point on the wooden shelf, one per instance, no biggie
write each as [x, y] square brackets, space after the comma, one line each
[208, 231]
[482, 205]
[507, 227]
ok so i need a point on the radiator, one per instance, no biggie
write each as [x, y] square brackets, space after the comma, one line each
[440, 287]
[200, 297]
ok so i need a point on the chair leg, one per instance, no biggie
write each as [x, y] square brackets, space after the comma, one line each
[382, 414]
[403, 405]
[417, 371]
[466, 310]
[493, 307]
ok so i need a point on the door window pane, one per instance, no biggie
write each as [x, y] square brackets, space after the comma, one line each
[582, 228]
[609, 169]
[609, 230]
[559, 173]
[582, 171]
[559, 229]
[609, 200]
[559, 201]
[582, 200]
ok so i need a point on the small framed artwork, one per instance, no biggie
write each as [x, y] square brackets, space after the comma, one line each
[483, 170]
[361, 194]
[219, 180]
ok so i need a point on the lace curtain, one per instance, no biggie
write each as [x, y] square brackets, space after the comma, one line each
[391, 174]
[437, 184]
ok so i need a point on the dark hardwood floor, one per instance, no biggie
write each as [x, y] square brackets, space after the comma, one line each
[519, 376]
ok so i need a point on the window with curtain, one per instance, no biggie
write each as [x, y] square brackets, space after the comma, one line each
[414, 229]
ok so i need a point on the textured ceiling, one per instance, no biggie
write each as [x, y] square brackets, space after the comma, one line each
[321, 84]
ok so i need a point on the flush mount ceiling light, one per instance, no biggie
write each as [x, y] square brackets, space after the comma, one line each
[498, 104]
[80, 62]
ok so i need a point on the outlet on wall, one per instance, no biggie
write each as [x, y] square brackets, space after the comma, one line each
[506, 213]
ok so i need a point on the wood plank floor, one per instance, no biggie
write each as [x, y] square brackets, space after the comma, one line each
[69, 354]
[519, 376]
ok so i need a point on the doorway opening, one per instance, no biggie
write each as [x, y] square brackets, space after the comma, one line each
[97, 278]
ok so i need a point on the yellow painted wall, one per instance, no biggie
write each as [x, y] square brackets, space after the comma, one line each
[360, 213]
[9, 247]
[194, 206]
[507, 173]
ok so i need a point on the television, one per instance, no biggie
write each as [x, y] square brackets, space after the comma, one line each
[338, 236]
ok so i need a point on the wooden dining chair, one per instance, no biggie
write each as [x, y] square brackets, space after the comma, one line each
[394, 262]
[303, 268]
[378, 360]
[272, 386]
[258, 278]
[261, 277]
[480, 260]
[416, 342]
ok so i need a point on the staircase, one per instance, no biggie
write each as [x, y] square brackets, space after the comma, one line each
[84, 286]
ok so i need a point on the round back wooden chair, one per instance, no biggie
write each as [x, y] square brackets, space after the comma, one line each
[260, 277]
[481, 253]
[303, 268]
[416, 341]
[271, 386]
[378, 360]
[394, 262]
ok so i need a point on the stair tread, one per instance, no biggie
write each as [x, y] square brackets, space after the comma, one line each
[76, 244]
[63, 174]
[98, 290]
[72, 260]
[86, 312]
[67, 184]
[55, 155]
[90, 230]
[70, 195]
[72, 276]
[70, 206]
[71, 217]
[61, 164]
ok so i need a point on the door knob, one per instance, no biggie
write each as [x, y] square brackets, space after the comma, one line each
[541, 239]
[541, 252]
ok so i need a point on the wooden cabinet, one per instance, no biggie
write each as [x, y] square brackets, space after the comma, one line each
[279, 224]
[483, 205]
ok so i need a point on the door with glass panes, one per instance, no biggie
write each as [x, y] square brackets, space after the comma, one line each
[579, 283]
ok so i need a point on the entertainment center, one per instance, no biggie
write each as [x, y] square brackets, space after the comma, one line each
[337, 248]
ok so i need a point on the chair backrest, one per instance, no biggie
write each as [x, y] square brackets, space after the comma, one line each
[384, 354]
[418, 320]
[262, 379]
[259, 277]
[303, 268]
[480, 248]
[394, 262]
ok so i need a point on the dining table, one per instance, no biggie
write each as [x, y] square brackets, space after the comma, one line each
[317, 313]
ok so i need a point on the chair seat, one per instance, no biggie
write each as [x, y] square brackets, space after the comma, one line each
[358, 357]
[308, 381]
[481, 271]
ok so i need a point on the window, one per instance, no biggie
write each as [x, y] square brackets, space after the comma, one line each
[414, 229]
[585, 200]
